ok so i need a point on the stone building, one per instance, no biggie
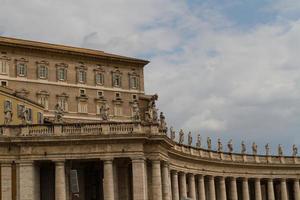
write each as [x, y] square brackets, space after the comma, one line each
[126, 157]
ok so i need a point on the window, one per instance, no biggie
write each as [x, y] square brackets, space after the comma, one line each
[29, 115]
[134, 81]
[4, 66]
[81, 76]
[117, 80]
[99, 79]
[61, 74]
[20, 109]
[82, 107]
[62, 102]
[7, 105]
[134, 97]
[99, 94]
[3, 83]
[43, 100]
[21, 69]
[82, 92]
[118, 96]
[42, 71]
[40, 118]
[118, 110]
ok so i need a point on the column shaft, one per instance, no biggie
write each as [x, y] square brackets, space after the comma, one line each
[175, 190]
[257, 190]
[271, 195]
[233, 189]
[245, 189]
[283, 189]
[108, 182]
[222, 186]
[192, 187]
[6, 181]
[156, 180]
[139, 179]
[60, 181]
[296, 189]
[166, 182]
[182, 180]
[212, 190]
[27, 178]
[201, 188]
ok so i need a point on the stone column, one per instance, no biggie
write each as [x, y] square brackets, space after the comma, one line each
[211, 190]
[271, 195]
[192, 187]
[6, 172]
[175, 190]
[139, 180]
[245, 186]
[233, 189]
[257, 189]
[60, 181]
[296, 189]
[156, 180]
[166, 181]
[201, 188]
[283, 189]
[27, 181]
[108, 182]
[182, 185]
[222, 187]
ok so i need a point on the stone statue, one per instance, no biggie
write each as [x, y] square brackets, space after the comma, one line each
[280, 150]
[190, 139]
[104, 112]
[230, 146]
[162, 124]
[181, 136]
[58, 113]
[151, 114]
[136, 112]
[8, 116]
[24, 115]
[220, 145]
[267, 147]
[198, 143]
[243, 148]
[172, 133]
[254, 148]
[208, 143]
[295, 150]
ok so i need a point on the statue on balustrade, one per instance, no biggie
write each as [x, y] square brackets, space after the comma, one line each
[254, 148]
[181, 136]
[58, 113]
[198, 143]
[220, 145]
[151, 114]
[7, 116]
[230, 146]
[267, 148]
[172, 133]
[243, 147]
[24, 115]
[208, 143]
[280, 150]
[190, 139]
[295, 150]
[162, 123]
[136, 112]
[104, 112]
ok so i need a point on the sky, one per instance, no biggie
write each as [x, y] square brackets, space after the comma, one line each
[222, 68]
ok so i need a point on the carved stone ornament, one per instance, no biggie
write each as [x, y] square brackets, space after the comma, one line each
[181, 136]
[198, 143]
[172, 133]
[58, 114]
[136, 112]
[208, 143]
[220, 146]
[104, 112]
[190, 139]
[162, 123]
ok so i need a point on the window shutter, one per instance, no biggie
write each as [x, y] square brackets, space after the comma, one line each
[84, 76]
[18, 69]
[46, 72]
[66, 75]
[38, 71]
[25, 70]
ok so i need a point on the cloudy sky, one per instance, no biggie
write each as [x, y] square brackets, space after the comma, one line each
[223, 68]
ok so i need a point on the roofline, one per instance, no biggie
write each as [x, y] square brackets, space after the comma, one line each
[58, 48]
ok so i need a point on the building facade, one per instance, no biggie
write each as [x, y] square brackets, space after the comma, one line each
[124, 151]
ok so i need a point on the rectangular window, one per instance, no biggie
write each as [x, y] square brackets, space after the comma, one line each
[117, 80]
[21, 69]
[81, 76]
[99, 94]
[40, 118]
[134, 97]
[20, 109]
[4, 67]
[7, 105]
[42, 71]
[82, 107]
[99, 78]
[118, 110]
[82, 92]
[118, 96]
[29, 116]
[43, 100]
[61, 74]
[62, 102]
[3, 83]
[133, 82]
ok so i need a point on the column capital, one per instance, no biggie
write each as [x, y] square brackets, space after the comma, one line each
[174, 171]
[138, 159]
[59, 162]
[107, 159]
[25, 162]
[244, 178]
